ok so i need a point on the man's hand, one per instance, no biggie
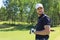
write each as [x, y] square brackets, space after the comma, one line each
[32, 30]
[46, 30]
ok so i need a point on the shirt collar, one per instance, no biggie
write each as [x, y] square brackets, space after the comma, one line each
[41, 16]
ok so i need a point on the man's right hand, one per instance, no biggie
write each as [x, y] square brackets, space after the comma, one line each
[32, 30]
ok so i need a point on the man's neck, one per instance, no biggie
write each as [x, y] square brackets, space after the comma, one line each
[40, 15]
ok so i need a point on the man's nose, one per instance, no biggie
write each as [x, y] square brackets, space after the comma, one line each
[40, 10]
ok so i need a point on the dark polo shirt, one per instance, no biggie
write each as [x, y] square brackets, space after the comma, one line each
[42, 20]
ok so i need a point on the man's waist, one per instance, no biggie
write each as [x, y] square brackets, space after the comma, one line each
[42, 36]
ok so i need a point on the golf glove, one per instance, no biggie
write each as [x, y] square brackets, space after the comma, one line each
[32, 30]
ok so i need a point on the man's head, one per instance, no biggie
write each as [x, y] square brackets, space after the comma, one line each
[39, 8]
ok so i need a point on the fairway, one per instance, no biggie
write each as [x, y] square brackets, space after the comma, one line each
[16, 35]
[24, 35]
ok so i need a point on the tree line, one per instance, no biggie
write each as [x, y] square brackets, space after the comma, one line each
[24, 11]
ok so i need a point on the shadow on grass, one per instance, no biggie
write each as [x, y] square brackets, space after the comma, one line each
[13, 27]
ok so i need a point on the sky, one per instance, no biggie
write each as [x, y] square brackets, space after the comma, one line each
[1, 3]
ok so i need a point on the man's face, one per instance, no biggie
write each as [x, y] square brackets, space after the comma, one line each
[40, 10]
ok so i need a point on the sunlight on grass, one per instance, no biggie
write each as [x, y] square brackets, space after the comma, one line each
[25, 23]
[16, 35]
[55, 34]
[7, 28]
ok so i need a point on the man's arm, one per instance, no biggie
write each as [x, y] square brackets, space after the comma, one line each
[46, 30]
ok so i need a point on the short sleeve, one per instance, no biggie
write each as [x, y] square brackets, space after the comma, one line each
[46, 21]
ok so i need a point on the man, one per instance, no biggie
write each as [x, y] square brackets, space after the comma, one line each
[43, 24]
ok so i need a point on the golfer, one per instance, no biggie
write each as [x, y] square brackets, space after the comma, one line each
[43, 23]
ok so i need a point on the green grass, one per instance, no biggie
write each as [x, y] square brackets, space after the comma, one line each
[16, 35]
[24, 35]
[25, 23]
[56, 34]
[19, 32]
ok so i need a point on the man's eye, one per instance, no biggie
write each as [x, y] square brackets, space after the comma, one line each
[39, 8]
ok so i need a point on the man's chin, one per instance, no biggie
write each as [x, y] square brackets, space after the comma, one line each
[40, 13]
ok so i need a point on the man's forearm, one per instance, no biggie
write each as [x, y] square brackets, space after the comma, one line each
[43, 32]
